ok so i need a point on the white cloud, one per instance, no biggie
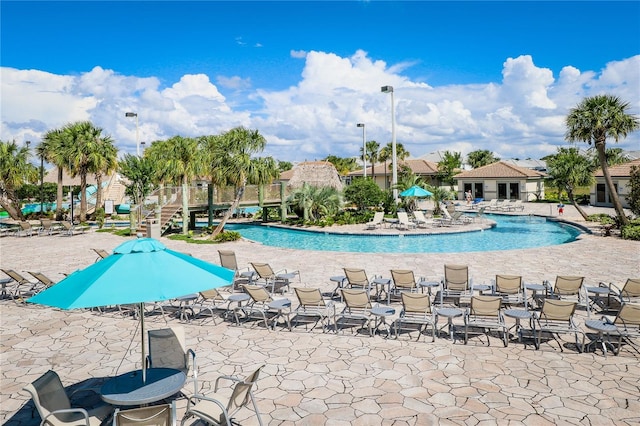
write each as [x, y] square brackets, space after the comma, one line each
[520, 116]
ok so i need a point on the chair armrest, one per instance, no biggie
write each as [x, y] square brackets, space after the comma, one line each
[82, 411]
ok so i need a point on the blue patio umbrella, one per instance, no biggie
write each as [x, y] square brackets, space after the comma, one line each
[138, 271]
[416, 191]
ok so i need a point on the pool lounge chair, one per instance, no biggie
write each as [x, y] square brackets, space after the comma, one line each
[376, 222]
[556, 317]
[404, 222]
[313, 306]
[484, 313]
[416, 310]
[69, 229]
[22, 287]
[456, 283]
[167, 349]
[242, 275]
[25, 230]
[48, 227]
[276, 280]
[357, 310]
[420, 220]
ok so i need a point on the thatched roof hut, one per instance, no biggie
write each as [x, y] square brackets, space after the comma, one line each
[314, 173]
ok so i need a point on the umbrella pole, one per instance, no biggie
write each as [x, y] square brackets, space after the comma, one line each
[144, 367]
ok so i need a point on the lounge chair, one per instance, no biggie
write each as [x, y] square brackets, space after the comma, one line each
[312, 305]
[376, 222]
[420, 220]
[357, 310]
[566, 286]
[48, 227]
[242, 275]
[276, 280]
[270, 310]
[628, 292]
[23, 287]
[484, 313]
[510, 288]
[456, 283]
[513, 205]
[416, 310]
[403, 280]
[102, 254]
[628, 323]
[25, 230]
[357, 278]
[209, 300]
[54, 406]
[156, 415]
[218, 409]
[167, 349]
[69, 229]
[493, 205]
[42, 279]
[404, 222]
[556, 317]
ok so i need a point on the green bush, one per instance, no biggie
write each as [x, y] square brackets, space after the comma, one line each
[603, 218]
[227, 236]
[631, 232]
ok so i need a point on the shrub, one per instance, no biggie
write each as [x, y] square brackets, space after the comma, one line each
[631, 232]
[227, 236]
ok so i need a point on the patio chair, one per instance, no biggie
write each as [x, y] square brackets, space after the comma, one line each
[167, 349]
[416, 310]
[420, 219]
[628, 323]
[312, 305]
[25, 230]
[242, 275]
[567, 286]
[628, 292]
[404, 222]
[54, 406]
[556, 317]
[376, 222]
[23, 287]
[69, 229]
[217, 409]
[510, 288]
[357, 310]
[403, 281]
[48, 227]
[484, 313]
[456, 283]
[156, 415]
[269, 309]
[42, 279]
[102, 254]
[209, 300]
[276, 280]
[357, 278]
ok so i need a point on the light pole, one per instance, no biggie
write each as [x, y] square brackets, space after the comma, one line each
[394, 177]
[364, 150]
[134, 114]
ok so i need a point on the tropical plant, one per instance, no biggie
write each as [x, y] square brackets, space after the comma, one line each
[373, 155]
[593, 121]
[451, 162]
[569, 170]
[407, 179]
[634, 191]
[364, 193]
[15, 170]
[439, 195]
[139, 171]
[481, 157]
[104, 160]
[229, 161]
[386, 154]
[53, 149]
[342, 165]
[312, 202]
[283, 166]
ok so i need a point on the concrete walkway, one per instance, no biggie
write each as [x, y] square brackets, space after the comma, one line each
[339, 379]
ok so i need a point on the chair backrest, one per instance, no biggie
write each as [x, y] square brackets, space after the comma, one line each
[241, 394]
[403, 217]
[485, 306]
[508, 284]
[66, 225]
[567, 285]
[154, 415]
[557, 310]
[212, 294]
[404, 279]
[102, 253]
[628, 316]
[446, 213]
[49, 395]
[25, 225]
[309, 296]
[258, 293]
[456, 215]
[42, 278]
[167, 348]
[264, 270]
[356, 298]
[228, 259]
[356, 277]
[378, 217]
[419, 215]
[456, 277]
[416, 303]
[46, 223]
[631, 288]
[15, 276]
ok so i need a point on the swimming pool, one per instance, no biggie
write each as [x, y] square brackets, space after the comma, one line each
[510, 233]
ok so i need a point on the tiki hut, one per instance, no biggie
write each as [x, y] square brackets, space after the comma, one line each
[314, 173]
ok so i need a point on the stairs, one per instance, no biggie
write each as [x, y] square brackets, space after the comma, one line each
[168, 212]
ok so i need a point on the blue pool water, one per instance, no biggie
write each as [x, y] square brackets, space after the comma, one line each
[510, 233]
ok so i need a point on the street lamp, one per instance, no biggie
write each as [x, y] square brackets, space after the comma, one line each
[134, 114]
[364, 150]
[394, 178]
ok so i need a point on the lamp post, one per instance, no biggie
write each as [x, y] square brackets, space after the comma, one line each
[41, 182]
[364, 150]
[134, 114]
[394, 177]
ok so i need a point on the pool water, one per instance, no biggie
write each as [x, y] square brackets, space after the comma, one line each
[510, 233]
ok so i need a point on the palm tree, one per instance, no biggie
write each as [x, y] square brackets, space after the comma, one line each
[315, 202]
[481, 157]
[447, 167]
[140, 172]
[569, 170]
[104, 160]
[178, 159]
[229, 162]
[15, 170]
[373, 155]
[593, 121]
[53, 149]
[386, 154]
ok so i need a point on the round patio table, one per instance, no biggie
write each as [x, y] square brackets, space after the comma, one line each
[381, 313]
[601, 328]
[127, 389]
[450, 314]
[518, 314]
[237, 298]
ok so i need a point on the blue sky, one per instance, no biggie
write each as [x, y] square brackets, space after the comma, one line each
[467, 75]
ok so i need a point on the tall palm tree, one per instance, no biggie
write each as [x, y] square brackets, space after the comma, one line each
[53, 149]
[386, 154]
[15, 170]
[140, 172]
[179, 160]
[593, 121]
[104, 160]
[229, 162]
[481, 157]
[373, 152]
[569, 170]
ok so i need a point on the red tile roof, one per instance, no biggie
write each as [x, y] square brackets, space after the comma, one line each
[499, 169]
[620, 170]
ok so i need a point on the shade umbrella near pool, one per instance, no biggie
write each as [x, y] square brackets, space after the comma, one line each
[138, 271]
[416, 191]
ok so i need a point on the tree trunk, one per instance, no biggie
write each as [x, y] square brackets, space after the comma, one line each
[59, 195]
[185, 206]
[617, 205]
[99, 191]
[573, 202]
[229, 212]
[83, 197]
[12, 208]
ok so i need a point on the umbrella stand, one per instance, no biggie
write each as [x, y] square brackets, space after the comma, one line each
[144, 367]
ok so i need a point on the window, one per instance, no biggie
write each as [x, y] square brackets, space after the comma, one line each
[601, 193]
[502, 191]
[478, 190]
[514, 191]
